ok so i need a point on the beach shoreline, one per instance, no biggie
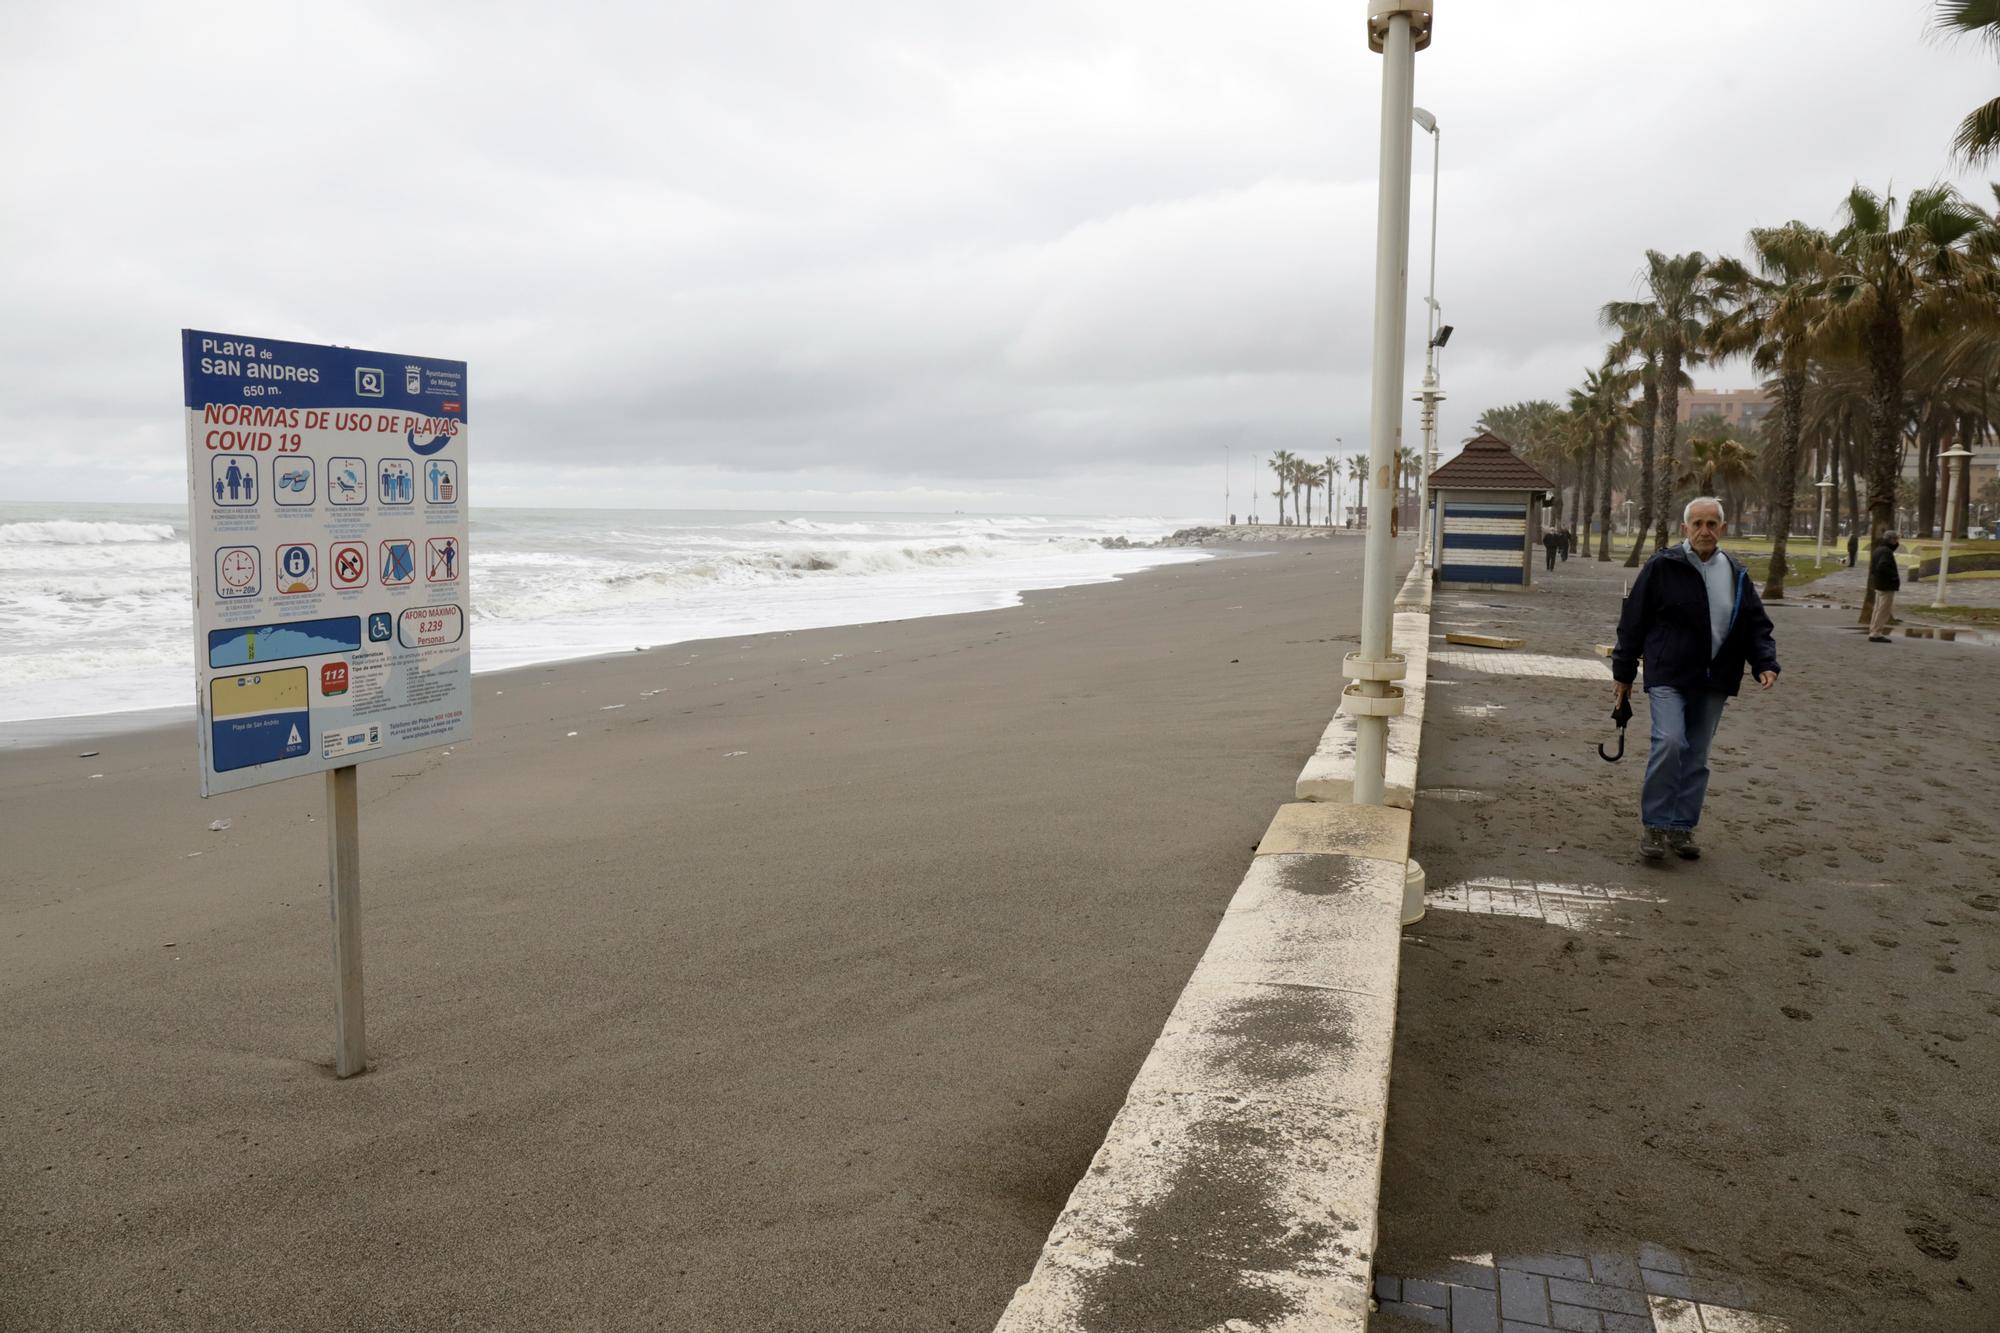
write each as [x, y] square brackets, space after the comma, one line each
[780, 982]
[43, 732]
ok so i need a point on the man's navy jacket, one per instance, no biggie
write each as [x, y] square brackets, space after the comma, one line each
[1665, 621]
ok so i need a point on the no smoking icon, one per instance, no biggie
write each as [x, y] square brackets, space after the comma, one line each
[350, 565]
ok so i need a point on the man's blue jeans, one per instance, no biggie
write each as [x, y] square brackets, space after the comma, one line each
[1677, 765]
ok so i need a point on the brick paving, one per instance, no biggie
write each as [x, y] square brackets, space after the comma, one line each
[1645, 1289]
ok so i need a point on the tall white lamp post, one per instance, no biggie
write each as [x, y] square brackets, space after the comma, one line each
[1398, 29]
[1954, 481]
[1438, 333]
[1825, 484]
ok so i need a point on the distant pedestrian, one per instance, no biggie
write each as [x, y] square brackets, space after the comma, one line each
[1549, 545]
[1885, 578]
[1564, 540]
[1853, 546]
[1694, 617]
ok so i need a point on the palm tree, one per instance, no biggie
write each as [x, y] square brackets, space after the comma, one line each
[1887, 277]
[1714, 457]
[1767, 313]
[1680, 301]
[1320, 475]
[1602, 410]
[1283, 462]
[1408, 463]
[1979, 133]
[1357, 472]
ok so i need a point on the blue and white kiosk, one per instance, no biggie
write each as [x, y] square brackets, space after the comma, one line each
[1486, 509]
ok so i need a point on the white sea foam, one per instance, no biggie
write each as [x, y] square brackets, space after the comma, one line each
[95, 612]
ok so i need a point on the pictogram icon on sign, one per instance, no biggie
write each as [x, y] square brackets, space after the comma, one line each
[236, 572]
[298, 568]
[293, 481]
[333, 678]
[441, 481]
[379, 630]
[394, 483]
[441, 559]
[347, 481]
[368, 381]
[234, 480]
[350, 565]
[399, 562]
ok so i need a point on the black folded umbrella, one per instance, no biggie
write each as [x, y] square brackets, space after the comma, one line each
[1621, 715]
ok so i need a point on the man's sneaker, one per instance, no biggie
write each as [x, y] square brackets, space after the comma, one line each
[1653, 844]
[1880, 638]
[1682, 841]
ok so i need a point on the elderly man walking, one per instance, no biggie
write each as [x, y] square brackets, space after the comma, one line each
[1694, 617]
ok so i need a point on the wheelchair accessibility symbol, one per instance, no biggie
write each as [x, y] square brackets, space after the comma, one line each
[380, 628]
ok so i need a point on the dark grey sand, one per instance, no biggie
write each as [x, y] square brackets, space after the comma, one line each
[1785, 1072]
[814, 1036]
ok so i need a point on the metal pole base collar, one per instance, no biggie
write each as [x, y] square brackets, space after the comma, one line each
[1356, 667]
[1356, 704]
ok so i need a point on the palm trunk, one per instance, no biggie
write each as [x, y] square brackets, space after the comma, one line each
[1611, 434]
[1885, 429]
[1649, 405]
[1670, 407]
[1785, 486]
[1930, 442]
[1583, 498]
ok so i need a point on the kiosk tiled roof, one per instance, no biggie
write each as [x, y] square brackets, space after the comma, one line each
[1489, 464]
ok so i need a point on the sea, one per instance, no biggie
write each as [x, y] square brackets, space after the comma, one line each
[96, 613]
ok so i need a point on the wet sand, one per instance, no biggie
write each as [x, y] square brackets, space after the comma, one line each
[793, 991]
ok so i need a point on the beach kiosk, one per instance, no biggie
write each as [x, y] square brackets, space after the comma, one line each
[1485, 517]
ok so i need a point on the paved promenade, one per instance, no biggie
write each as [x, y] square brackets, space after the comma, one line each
[1750, 1092]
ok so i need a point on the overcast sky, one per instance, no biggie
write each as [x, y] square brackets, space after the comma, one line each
[901, 254]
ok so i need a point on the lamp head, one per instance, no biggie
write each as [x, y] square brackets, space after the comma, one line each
[1443, 335]
[1425, 120]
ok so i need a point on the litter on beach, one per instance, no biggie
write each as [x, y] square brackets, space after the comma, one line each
[218, 826]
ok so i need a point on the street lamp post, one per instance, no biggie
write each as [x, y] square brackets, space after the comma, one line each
[1953, 482]
[1398, 29]
[1825, 484]
[1437, 334]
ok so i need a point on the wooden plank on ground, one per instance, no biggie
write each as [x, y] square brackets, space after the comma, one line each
[1485, 641]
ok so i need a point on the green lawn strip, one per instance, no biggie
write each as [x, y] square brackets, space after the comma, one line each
[1964, 615]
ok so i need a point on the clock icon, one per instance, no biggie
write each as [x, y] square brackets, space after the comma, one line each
[236, 571]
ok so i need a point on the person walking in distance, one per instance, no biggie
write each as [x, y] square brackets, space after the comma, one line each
[1853, 545]
[1549, 545]
[1885, 578]
[1694, 617]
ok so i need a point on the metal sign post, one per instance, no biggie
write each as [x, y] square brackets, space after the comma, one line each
[329, 525]
[343, 889]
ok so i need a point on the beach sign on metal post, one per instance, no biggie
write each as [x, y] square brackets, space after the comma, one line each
[303, 461]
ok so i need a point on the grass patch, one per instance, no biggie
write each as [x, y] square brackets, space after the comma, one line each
[1798, 573]
[1963, 615]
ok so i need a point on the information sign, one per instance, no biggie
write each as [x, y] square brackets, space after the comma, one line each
[326, 504]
